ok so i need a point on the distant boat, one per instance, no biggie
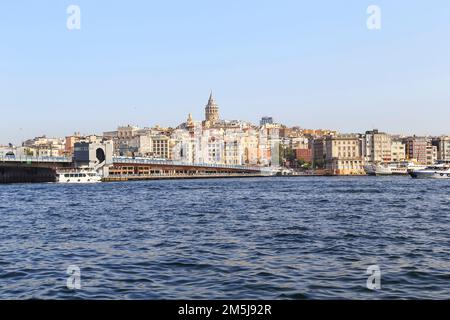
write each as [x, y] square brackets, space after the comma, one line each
[78, 176]
[438, 171]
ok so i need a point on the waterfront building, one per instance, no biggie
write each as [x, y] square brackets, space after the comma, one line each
[161, 147]
[304, 155]
[133, 141]
[45, 147]
[269, 145]
[250, 142]
[398, 149]
[443, 147]
[124, 140]
[70, 141]
[318, 152]
[126, 132]
[183, 149]
[301, 146]
[95, 155]
[416, 149]
[232, 150]
[343, 154]
[377, 146]
[431, 154]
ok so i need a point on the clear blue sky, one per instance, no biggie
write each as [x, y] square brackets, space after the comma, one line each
[144, 62]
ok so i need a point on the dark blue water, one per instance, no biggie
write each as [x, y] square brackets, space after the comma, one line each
[274, 238]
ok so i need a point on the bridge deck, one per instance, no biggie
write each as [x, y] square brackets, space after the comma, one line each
[35, 159]
[155, 162]
[123, 161]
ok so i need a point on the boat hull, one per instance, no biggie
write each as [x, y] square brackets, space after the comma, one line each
[429, 175]
[78, 177]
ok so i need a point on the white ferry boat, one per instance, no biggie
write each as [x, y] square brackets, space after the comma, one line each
[78, 176]
[378, 169]
[392, 168]
[438, 171]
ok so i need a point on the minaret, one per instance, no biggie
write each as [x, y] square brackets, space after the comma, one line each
[212, 110]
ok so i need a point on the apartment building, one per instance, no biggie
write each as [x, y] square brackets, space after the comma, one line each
[443, 147]
[416, 149]
[343, 154]
[398, 149]
[377, 146]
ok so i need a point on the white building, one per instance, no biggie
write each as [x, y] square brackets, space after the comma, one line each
[377, 147]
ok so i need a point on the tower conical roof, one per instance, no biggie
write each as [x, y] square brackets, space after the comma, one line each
[211, 100]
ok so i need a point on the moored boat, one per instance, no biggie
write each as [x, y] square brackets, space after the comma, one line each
[439, 171]
[78, 176]
[391, 168]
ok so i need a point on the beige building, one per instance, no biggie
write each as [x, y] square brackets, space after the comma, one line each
[443, 147]
[161, 147]
[45, 147]
[77, 137]
[377, 147]
[343, 154]
[431, 154]
[250, 144]
[398, 151]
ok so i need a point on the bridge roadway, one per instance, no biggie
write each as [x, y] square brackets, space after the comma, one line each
[121, 162]
[179, 165]
[36, 162]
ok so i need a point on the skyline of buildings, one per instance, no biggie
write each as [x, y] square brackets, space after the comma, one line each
[264, 119]
[214, 140]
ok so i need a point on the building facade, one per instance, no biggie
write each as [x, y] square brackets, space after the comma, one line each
[443, 147]
[377, 147]
[398, 149]
[416, 149]
[343, 154]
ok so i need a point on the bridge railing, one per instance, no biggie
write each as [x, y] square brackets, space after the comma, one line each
[35, 159]
[126, 160]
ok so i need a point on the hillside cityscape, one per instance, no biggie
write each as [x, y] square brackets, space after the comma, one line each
[236, 142]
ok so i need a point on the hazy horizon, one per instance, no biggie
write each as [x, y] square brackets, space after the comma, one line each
[313, 65]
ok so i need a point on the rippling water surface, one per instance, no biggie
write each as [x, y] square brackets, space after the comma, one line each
[274, 238]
